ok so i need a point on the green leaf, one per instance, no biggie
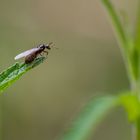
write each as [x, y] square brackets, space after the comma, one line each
[127, 43]
[90, 117]
[132, 106]
[14, 72]
[119, 30]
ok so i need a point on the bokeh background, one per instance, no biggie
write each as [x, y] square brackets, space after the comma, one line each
[43, 103]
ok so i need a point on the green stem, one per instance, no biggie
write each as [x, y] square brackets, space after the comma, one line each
[131, 53]
[122, 37]
[137, 47]
[137, 130]
[137, 31]
[136, 125]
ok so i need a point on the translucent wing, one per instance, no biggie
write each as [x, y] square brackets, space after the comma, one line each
[24, 54]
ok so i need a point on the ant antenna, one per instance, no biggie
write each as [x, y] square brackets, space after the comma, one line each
[52, 45]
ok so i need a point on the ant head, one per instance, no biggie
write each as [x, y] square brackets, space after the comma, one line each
[50, 45]
[42, 46]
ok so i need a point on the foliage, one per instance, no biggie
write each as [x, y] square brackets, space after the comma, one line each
[94, 111]
[97, 108]
[89, 118]
[14, 72]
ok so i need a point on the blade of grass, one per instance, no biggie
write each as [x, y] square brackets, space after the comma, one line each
[95, 111]
[13, 73]
[5, 73]
[121, 35]
[90, 117]
[127, 45]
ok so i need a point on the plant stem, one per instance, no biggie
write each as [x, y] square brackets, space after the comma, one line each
[137, 47]
[131, 54]
[122, 37]
[136, 131]
[136, 126]
[137, 30]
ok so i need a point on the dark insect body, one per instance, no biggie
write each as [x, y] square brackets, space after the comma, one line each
[31, 57]
[31, 54]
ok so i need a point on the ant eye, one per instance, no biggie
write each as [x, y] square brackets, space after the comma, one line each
[42, 46]
[48, 47]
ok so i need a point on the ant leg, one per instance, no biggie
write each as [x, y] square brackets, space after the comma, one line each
[40, 54]
[46, 52]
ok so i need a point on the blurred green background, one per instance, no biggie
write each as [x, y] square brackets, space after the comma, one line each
[88, 63]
